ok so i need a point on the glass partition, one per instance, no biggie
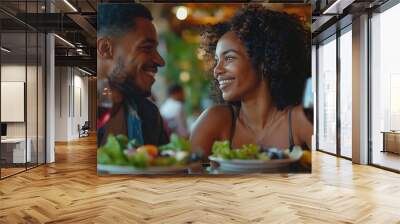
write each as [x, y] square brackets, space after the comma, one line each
[31, 97]
[13, 108]
[327, 95]
[346, 93]
[41, 91]
[385, 89]
[22, 90]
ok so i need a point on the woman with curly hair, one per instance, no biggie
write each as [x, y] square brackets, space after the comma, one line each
[262, 60]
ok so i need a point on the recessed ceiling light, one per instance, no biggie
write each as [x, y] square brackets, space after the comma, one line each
[5, 50]
[70, 5]
[84, 71]
[65, 41]
[337, 7]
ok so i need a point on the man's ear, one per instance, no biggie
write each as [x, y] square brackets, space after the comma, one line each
[104, 48]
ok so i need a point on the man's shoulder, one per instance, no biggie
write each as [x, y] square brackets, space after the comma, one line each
[150, 107]
[152, 124]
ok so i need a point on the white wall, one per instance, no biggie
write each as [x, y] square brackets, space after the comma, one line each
[61, 103]
[71, 94]
[10, 73]
[80, 100]
[16, 73]
[33, 127]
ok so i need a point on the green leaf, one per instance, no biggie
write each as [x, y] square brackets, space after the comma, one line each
[113, 149]
[176, 144]
[222, 149]
[103, 158]
[122, 140]
[139, 160]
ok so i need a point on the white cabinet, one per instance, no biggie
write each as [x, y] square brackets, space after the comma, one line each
[18, 149]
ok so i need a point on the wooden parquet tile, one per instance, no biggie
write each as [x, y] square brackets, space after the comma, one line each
[69, 191]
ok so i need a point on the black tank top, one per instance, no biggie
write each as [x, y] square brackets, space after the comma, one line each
[233, 127]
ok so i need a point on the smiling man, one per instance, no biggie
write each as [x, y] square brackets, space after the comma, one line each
[127, 57]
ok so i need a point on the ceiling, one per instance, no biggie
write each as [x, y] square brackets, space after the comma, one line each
[330, 15]
[79, 27]
[76, 25]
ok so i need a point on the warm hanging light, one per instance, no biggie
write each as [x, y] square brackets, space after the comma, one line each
[181, 13]
[184, 76]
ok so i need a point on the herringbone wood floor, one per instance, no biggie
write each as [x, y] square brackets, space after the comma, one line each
[70, 191]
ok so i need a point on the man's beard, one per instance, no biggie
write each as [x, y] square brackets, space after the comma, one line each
[134, 88]
[123, 82]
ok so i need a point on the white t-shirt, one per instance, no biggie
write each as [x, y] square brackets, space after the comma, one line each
[174, 114]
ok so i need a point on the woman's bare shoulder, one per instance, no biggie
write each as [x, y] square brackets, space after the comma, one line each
[213, 123]
[214, 120]
[299, 117]
[218, 110]
[302, 126]
[217, 114]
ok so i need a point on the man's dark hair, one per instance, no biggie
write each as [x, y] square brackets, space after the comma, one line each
[279, 48]
[118, 18]
[175, 88]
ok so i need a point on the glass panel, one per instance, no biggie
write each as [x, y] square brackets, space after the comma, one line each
[41, 98]
[314, 75]
[13, 92]
[32, 88]
[385, 86]
[23, 82]
[327, 96]
[13, 85]
[31, 97]
[346, 94]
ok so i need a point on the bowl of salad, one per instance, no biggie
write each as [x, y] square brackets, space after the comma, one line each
[252, 158]
[122, 156]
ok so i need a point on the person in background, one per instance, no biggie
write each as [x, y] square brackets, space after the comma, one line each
[173, 111]
[127, 56]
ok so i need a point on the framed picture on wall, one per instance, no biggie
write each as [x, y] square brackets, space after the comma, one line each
[12, 101]
[208, 89]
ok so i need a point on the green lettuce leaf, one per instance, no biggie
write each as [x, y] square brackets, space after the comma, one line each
[114, 151]
[221, 149]
[176, 144]
[139, 160]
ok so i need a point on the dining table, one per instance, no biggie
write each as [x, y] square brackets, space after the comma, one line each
[201, 168]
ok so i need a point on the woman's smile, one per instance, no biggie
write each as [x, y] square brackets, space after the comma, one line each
[225, 82]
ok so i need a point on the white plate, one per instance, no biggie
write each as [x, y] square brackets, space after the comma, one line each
[253, 166]
[112, 169]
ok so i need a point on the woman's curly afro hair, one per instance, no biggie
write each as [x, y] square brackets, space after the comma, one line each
[279, 48]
